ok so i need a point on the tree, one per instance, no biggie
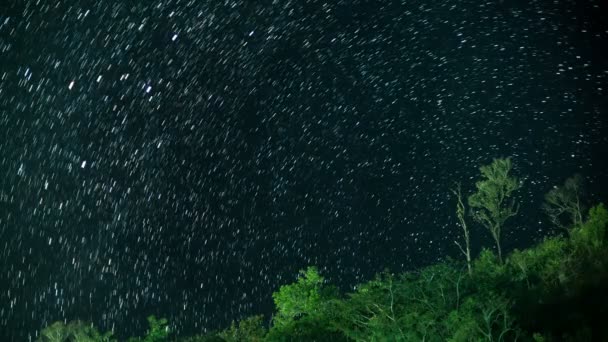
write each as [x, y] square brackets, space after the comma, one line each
[542, 267]
[74, 331]
[301, 298]
[56, 332]
[592, 235]
[461, 213]
[563, 204]
[303, 310]
[372, 312]
[158, 332]
[492, 205]
[248, 330]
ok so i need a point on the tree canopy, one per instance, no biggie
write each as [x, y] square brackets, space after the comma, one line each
[492, 204]
[564, 204]
[556, 290]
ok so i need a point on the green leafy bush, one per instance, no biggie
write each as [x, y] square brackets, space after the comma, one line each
[158, 331]
[75, 331]
[591, 235]
[303, 309]
[250, 329]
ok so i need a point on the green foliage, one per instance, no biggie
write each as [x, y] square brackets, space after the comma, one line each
[250, 329]
[302, 298]
[550, 292]
[591, 236]
[439, 303]
[373, 311]
[536, 337]
[75, 331]
[56, 332]
[305, 329]
[461, 213]
[488, 271]
[544, 266]
[496, 323]
[303, 309]
[411, 307]
[211, 337]
[483, 318]
[563, 205]
[462, 324]
[492, 204]
[554, 291]
[589, 242]
[158, 331]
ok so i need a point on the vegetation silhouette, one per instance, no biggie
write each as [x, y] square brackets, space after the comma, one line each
[553, 291]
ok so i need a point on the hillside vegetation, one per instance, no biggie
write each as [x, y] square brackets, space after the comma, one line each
[553, 291]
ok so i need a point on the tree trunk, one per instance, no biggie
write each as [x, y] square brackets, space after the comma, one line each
[469, 261]
[497, 239]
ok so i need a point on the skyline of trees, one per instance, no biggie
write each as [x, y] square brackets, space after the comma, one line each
[556, 290]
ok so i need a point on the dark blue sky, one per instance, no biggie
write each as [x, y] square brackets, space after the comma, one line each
[185, 158]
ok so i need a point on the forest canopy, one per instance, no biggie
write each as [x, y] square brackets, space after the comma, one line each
[552, 291]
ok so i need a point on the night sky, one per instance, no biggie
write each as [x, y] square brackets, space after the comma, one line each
[186, 158]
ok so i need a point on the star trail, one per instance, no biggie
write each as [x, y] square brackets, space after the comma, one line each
[186, 158]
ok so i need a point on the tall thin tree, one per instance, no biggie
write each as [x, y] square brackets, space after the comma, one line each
[492, 205]
[564, 205]
[461, 214]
